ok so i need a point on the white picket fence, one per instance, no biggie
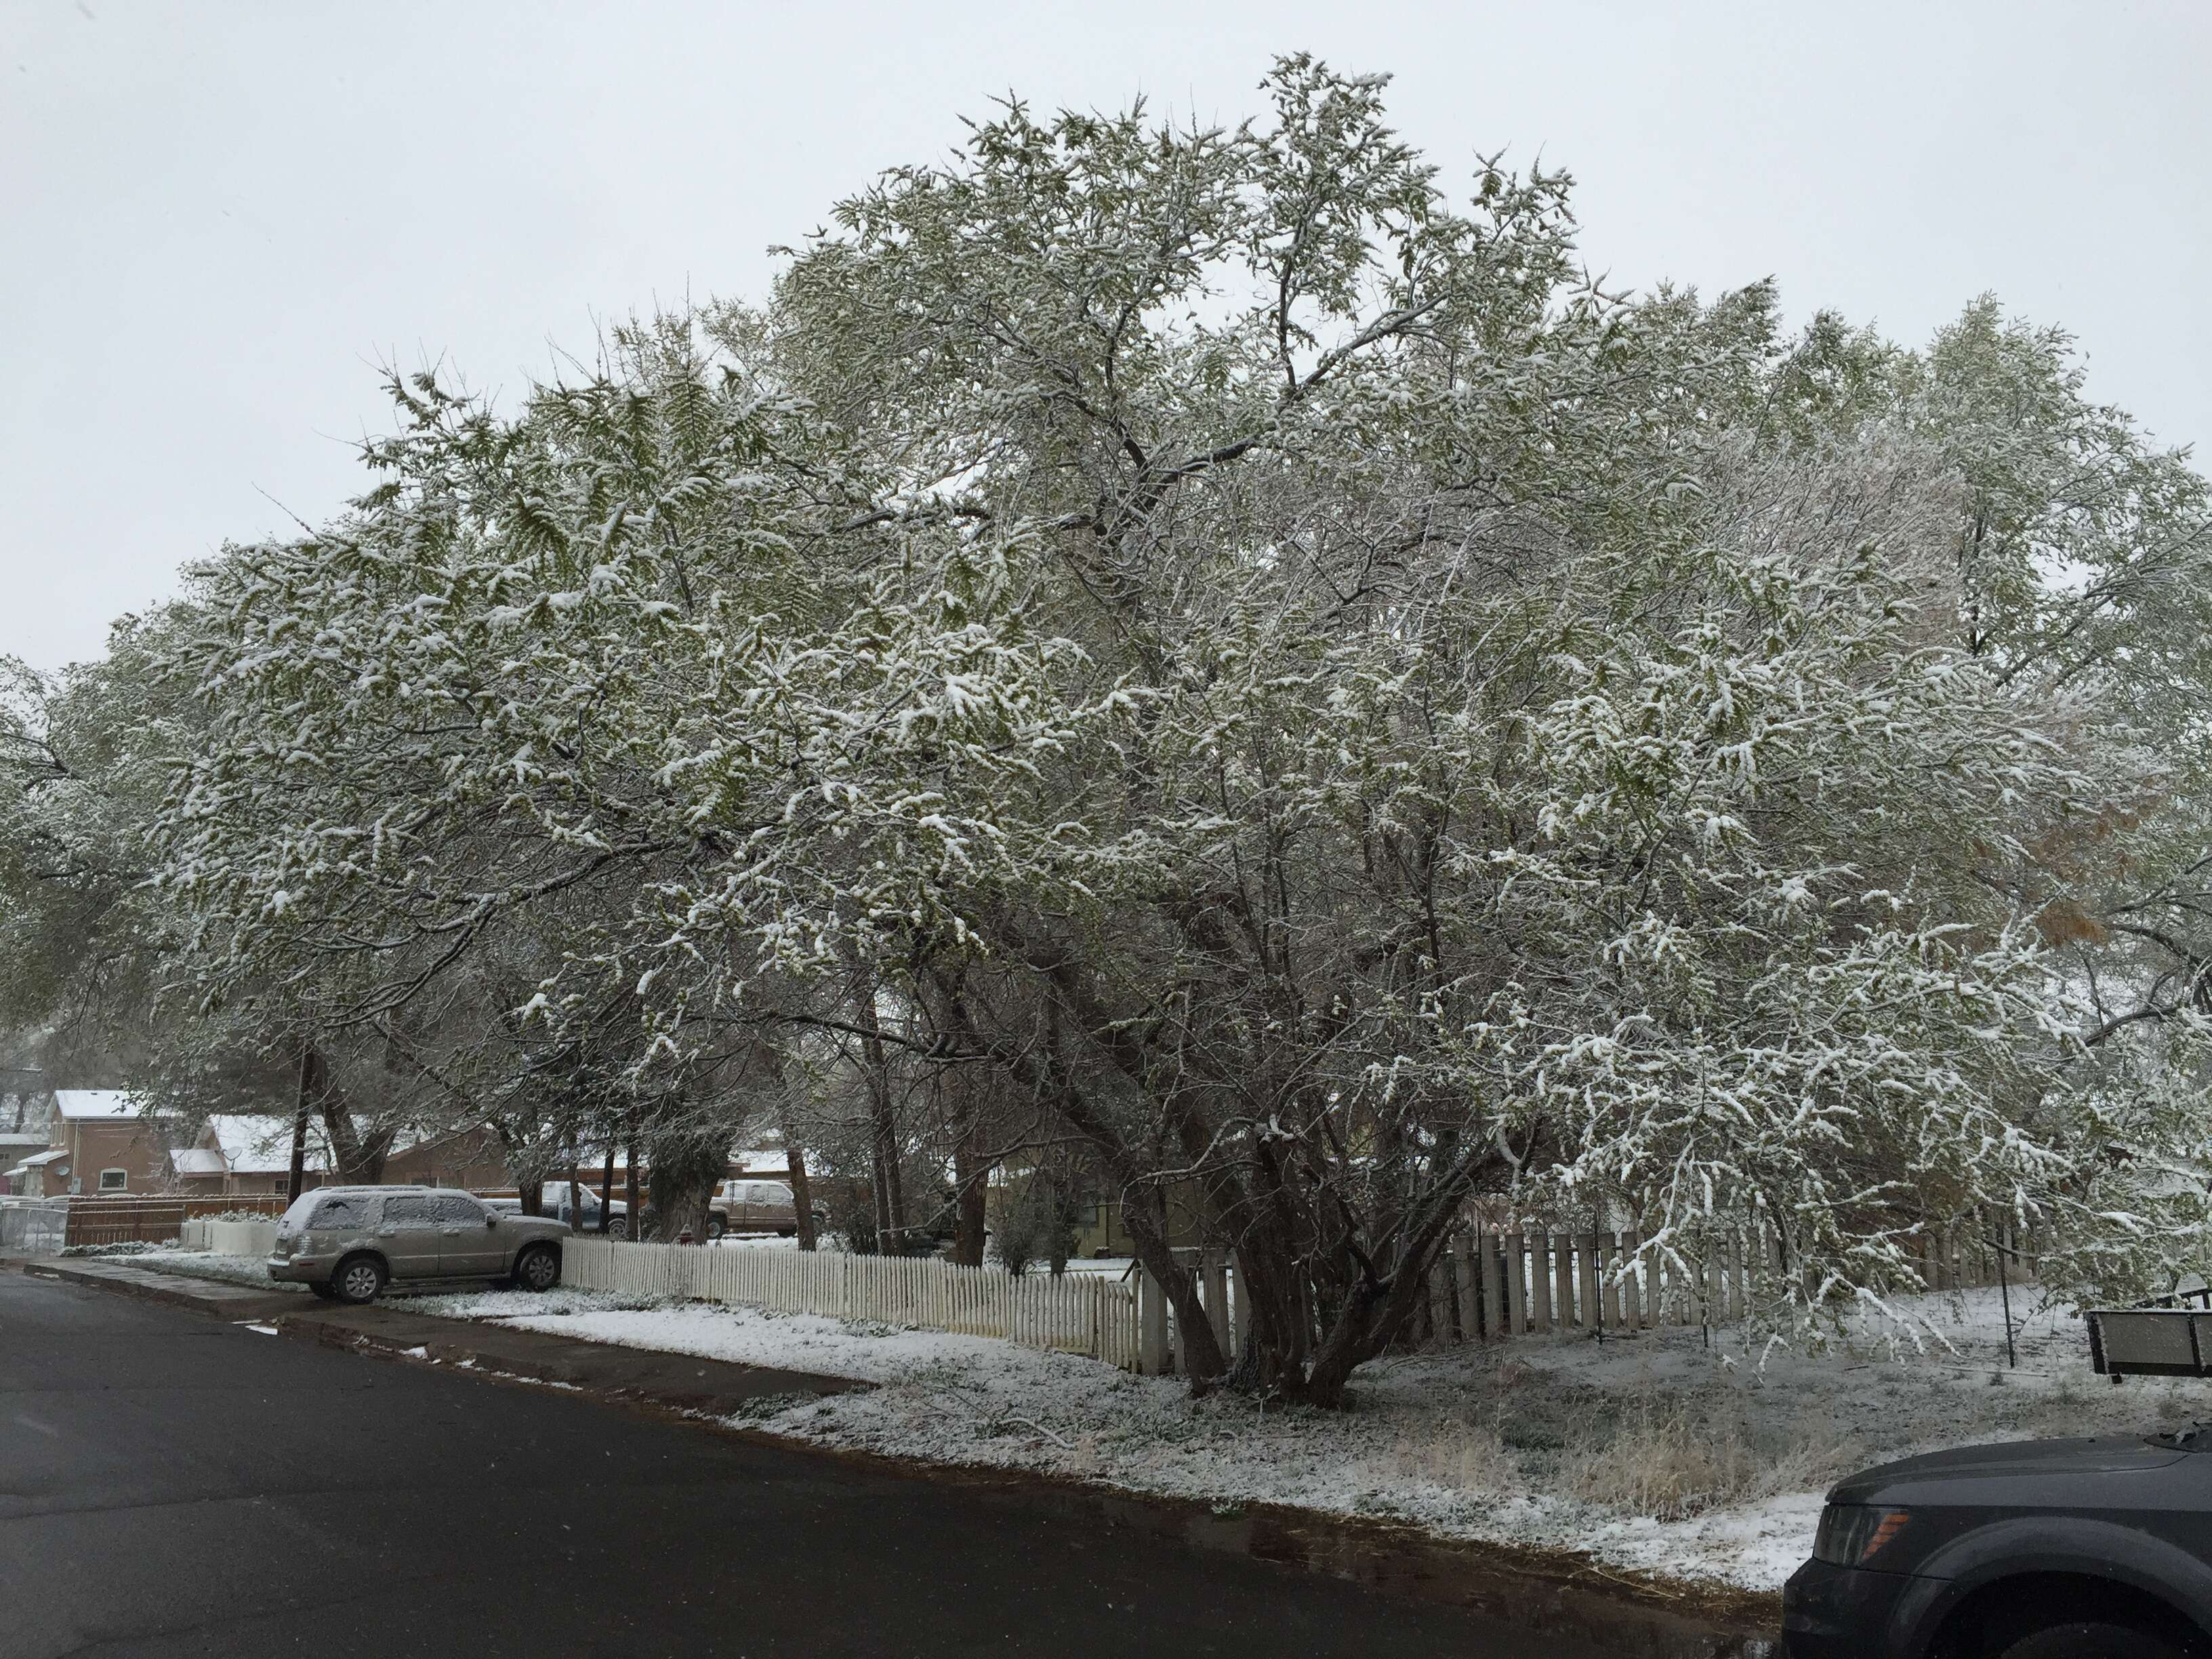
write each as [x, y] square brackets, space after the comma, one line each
[1489, 1284]
[1090, 1314]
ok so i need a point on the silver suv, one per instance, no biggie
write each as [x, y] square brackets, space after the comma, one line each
[346, 1243]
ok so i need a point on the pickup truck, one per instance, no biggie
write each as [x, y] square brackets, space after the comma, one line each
[2042, 1549]
[745, 1205]
[2037, 1549]
[553, 1204]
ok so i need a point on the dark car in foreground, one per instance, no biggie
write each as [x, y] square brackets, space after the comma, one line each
[2045, 1549]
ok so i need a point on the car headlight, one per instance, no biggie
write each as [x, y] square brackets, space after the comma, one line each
[1854, 1534]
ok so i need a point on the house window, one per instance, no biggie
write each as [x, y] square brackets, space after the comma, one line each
[114, 1180]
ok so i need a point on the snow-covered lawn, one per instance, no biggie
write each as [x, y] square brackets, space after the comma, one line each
[1653, 1452]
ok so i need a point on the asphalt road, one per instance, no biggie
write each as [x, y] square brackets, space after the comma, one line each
[173, 1485]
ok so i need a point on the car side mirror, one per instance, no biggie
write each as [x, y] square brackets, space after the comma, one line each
[491, 1220]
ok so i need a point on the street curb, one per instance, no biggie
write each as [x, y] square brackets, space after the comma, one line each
[206, 1297]
[1633, 1615]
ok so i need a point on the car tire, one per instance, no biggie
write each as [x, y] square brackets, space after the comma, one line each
[786, 1232]
[358, 1280]
[538, 1268]
[2086, 1639]
[716, 1227]
[619, 1226]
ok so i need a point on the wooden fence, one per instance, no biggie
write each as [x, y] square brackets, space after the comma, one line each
[1091, 1314]
[153, 1219]
[1493, 1284]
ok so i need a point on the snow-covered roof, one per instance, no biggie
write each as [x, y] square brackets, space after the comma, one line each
[761, 1160]
[80, 1103]
[15, 1140]
[199, 1160]
[263, 1146]
[44, 1159]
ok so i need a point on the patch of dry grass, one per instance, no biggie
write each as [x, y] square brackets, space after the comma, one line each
[1688, 1456]
[1459, 1456]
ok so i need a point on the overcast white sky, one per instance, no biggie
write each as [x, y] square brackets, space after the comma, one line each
[218, 217]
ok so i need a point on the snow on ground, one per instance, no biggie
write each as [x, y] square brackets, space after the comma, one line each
[1656, 1452]
[1665, 1451]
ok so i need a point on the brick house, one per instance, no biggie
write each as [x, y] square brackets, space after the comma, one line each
[98, 1141]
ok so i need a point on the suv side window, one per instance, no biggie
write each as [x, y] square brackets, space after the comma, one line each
[410, 1213]
[338, 1215]
[452, 1209]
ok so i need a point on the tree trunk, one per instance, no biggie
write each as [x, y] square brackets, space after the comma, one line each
[972, 1176]
[629, 1185]
[891, 1200]
[607, 1186]
[686, 1169]
[802, 1194]
[310, 1063]
[1203, 1364]
[532, 1194]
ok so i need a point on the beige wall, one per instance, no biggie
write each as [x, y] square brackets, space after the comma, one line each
[136, 1147]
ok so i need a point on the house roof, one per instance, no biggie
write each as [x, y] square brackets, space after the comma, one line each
[44, 1159]
[77, 1104]
[14, 1141]
[263, 1146]
[198, 1161]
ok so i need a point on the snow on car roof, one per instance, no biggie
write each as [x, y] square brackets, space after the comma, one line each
[80, 1103]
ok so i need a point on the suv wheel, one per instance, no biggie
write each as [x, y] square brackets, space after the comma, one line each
[2086, 1640]
[359, 1279]
[537, 1269]
[618, 1227]
[716, 1227]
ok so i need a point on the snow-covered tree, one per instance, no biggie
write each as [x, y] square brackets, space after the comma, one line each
[1264, 666]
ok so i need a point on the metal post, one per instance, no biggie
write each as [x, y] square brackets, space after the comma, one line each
[2004, 1295]
[1217, 1301]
